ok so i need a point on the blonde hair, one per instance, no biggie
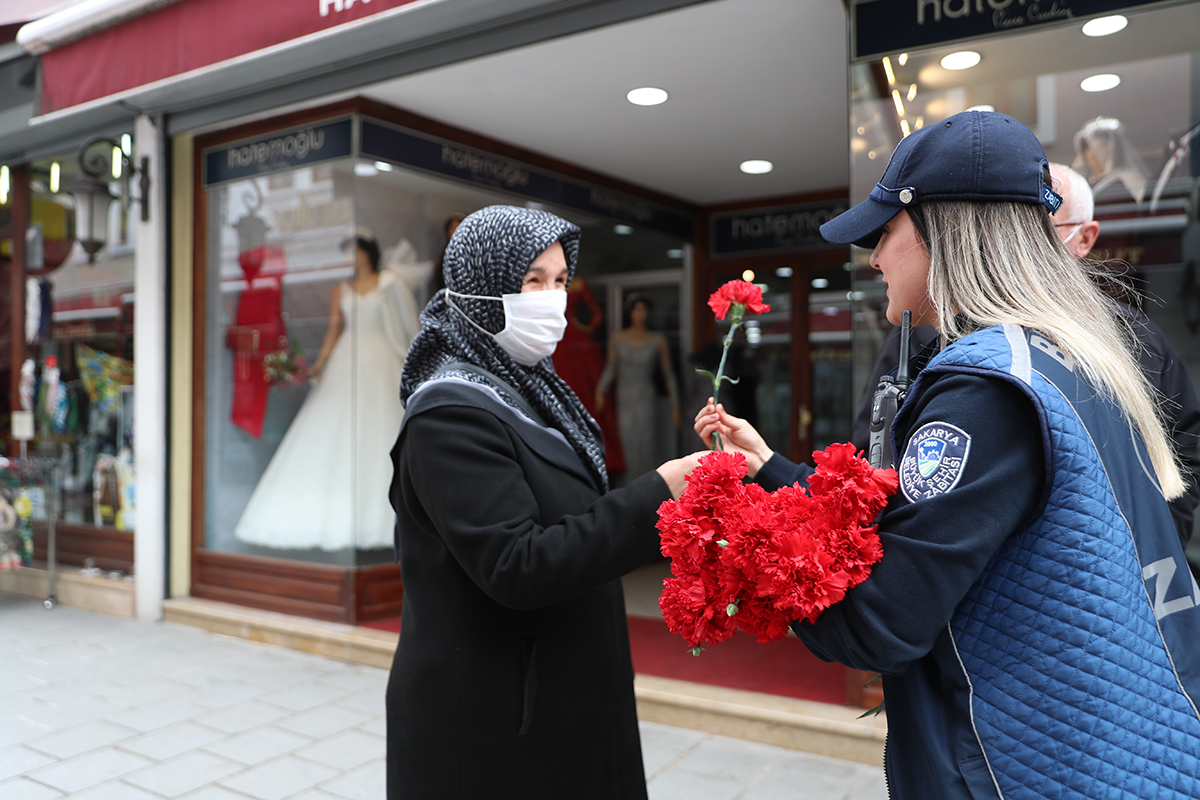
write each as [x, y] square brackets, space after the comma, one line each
[1002, 262]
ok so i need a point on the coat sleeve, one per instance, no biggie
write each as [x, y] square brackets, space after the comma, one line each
[1165, 370]
[779, 472]
[936, 548]
[460, 465]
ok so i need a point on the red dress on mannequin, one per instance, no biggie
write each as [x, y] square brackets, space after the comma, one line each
[579, 361]
[258, 329]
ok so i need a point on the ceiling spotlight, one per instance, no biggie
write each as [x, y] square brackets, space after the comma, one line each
[622, 230]
[365, 170]
[756, 167]
[1100, 83]
[820, 283]
[383, 166]
[963, 59]
[1103, 26]
[783, 272]
[647, 96]
[748, 275]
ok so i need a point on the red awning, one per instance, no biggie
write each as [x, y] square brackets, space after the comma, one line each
[182, 37]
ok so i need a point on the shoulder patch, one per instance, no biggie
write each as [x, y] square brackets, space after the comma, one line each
[934, 460]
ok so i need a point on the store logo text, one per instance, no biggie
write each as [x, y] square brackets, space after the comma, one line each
[337, 5]
[263, 154]
[1003, 15]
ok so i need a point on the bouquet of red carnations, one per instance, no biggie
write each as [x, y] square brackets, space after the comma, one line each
[742, 557]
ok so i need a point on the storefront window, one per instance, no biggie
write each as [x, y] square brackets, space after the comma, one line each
[306, 341]
[1121, 109]
[78, 373]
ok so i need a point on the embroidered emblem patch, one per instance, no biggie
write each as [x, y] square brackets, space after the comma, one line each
[934, 460]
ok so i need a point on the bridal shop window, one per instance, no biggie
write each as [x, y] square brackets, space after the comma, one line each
[316, 276]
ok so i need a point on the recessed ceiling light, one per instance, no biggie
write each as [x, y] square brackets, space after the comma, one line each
[748, 275]
[1100, 83]
[383, 166]
[622, 230]
[982, 107]
[365, 170]
[647, 96]
[820, 283]
[963, 59]
[1103, 26]
[756, 166]
[783, 272]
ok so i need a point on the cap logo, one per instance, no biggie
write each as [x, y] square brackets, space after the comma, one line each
[1052, 200]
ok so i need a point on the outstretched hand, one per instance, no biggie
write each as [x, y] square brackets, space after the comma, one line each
[674, 471]
[737, 435]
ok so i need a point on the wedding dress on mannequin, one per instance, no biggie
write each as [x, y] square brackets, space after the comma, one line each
[327, 484]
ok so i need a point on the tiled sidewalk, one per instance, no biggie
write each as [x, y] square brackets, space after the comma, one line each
[96, 707]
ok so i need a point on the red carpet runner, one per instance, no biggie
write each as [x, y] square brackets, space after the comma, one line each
[784, 668]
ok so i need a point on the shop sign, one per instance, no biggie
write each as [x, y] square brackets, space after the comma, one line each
[277, 151]
[879, 27]
[402, 146]
[761, 231]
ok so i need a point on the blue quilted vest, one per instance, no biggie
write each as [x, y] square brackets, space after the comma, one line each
[1081, 640]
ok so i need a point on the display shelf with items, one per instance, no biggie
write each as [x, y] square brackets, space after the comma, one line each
[30, 493]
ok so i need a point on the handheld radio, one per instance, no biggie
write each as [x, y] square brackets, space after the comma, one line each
[888, 398]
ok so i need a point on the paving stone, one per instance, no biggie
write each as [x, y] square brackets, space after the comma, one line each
[184, 773]
[323, 721]
[280, 778]
[242, 716]
[81, 738]
[18, 759]
[90, 769]
[159, 714]
[368, 782]
[172, 740]
[346, 750]
[258, 745]
[25, 789]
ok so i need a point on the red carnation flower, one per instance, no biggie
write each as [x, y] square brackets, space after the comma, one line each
[745, 558]
[738, 292]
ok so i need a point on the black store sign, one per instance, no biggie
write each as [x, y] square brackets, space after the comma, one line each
[389, 143]
[762, 231]
[880, 27]
[311, 144]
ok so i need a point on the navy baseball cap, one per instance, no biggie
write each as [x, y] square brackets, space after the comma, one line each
[975, 155]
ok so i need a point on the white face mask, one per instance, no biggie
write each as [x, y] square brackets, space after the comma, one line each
[534, 323]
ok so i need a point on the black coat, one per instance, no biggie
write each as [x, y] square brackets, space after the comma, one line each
[513, 675]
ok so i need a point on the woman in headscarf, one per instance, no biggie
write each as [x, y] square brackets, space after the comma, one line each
[513, 675]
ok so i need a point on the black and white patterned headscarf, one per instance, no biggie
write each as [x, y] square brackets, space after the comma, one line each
[489, 255]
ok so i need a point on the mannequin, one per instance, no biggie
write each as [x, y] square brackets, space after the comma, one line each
[326, 486]
[579, 361]
[635, 356]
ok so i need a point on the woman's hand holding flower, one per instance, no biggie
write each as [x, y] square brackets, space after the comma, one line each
[737, 435]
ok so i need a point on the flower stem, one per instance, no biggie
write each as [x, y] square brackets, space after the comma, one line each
[735, 319]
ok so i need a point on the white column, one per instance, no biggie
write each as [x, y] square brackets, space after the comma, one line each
[150, 376]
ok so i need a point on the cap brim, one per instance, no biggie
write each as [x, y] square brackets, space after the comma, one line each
[860, 225]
